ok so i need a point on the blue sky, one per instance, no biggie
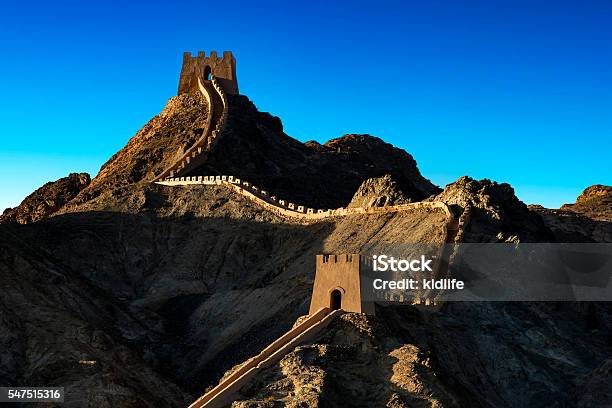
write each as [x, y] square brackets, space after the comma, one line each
[516, 91]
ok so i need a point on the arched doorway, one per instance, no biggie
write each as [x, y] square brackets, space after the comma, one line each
[335, 299]
[207, 73]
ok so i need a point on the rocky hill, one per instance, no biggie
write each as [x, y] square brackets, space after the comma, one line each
[136, 294]
[48, 199]
[498, 215]
[255, 148]
[595, 202]
[378, 192]
[154, 147]
[588, 220]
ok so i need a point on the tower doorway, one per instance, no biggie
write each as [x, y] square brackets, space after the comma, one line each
[335, 299]
[207, 73]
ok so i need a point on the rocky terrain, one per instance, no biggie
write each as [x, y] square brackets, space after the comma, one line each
[378, 192]
[48, 199]
[595, 202]
[485, 354]
[254, 147]
[588, 220]
[134, 294]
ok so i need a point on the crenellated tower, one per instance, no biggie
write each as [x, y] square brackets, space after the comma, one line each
[202, 66]
[338, 284]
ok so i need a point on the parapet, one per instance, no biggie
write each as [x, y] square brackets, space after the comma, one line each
[203, 67]
[344, 258]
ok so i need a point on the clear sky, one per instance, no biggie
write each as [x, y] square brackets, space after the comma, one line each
[514, 91]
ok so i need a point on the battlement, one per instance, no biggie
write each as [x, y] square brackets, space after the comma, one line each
[344, 258]
[227, 55]
[204, 67]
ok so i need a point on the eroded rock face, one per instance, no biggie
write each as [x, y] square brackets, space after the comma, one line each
[47, 199]
[378, 192]
[595, 202]
[255, 148]
[469, 354]
[497, 214]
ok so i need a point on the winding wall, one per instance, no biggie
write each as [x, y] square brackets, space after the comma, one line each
[289, 209]
[216, 120]
[454, 228]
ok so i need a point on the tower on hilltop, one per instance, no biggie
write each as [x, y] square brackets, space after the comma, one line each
[224, 69]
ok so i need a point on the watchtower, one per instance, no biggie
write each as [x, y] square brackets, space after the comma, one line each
[338, 285]
[224, 69]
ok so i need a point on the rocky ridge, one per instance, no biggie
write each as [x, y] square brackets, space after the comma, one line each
[47, 199]
[595, 202]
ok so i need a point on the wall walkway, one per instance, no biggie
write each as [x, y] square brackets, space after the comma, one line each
[289, 209]
[215, 123]
[225, 392]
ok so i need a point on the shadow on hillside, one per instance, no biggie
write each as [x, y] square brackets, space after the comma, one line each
[211, 292]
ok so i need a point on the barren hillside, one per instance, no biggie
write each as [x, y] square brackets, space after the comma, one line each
[136, 294]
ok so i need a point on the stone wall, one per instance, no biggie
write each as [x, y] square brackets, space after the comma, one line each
[225, 392]
[216, 121]
[294, 210]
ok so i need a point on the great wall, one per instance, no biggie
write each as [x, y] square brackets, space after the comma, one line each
[194, 78]
[292, 210]
[195, 75]
[216, 101]
[225, 392]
